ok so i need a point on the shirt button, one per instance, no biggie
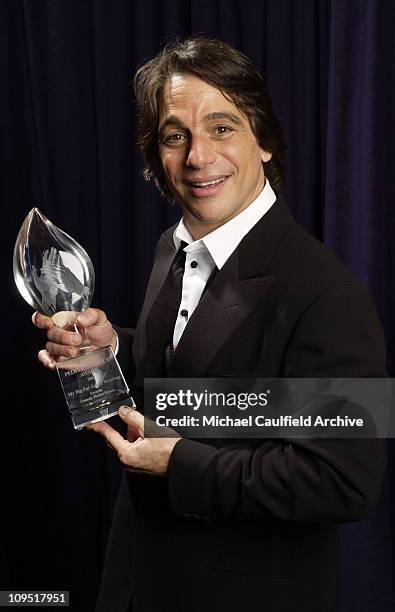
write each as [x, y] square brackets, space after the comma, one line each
[184, 313]
[194, 264]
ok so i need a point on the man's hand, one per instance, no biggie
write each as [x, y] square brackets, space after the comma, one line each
[63, 343]
[138, 454]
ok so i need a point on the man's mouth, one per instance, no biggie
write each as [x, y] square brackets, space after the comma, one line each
[209, 185]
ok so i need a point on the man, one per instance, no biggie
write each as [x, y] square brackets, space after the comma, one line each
[230, 525]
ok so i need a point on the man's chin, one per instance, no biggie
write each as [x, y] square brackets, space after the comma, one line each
[207, 219]
[200, 225]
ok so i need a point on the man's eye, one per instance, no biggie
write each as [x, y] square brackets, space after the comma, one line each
[174, 139]
[222, 129]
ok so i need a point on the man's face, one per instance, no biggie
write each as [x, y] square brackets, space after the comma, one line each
[209, 153]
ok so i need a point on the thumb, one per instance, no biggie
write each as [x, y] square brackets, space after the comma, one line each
[133, 419]
[92, 316]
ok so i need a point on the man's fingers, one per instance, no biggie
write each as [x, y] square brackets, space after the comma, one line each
[142, 427]
[133, 418]
[63, 342]
[47, 360]
[61, 350]
[112, 437]
[62, 336]
[42, 321]
[143, 456]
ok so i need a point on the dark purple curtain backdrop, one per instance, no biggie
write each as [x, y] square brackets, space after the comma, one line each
[67, 145]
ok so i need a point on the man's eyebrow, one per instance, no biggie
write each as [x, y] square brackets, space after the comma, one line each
[172, 120]
[223, 115]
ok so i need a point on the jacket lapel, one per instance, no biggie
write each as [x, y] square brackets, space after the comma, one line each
[222, 308]
[163, 259]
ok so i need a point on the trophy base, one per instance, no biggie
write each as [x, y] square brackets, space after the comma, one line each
[100, 413]
[94, 386]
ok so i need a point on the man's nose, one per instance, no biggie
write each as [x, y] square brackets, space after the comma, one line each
[201, 152]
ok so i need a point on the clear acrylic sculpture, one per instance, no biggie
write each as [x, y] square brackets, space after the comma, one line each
[55, 275]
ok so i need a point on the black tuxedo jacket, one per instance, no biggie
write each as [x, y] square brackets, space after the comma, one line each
[251, 525]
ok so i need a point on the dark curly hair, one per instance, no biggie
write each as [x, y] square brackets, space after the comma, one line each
[223, 67]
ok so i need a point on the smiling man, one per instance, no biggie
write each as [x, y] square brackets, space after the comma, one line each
[209, 153]
[238, 289]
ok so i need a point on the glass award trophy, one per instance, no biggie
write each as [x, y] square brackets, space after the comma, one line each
[55, 275]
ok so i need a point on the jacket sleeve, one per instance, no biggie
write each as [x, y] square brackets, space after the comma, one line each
[298, 480]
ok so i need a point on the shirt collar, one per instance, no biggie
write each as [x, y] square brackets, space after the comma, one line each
[221, 242]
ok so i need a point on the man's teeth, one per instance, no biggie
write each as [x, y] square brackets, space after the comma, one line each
[209, 183]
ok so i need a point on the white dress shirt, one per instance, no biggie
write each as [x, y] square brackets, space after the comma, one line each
[212, 250]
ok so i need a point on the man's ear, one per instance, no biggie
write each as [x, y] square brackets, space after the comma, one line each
[266, 156]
